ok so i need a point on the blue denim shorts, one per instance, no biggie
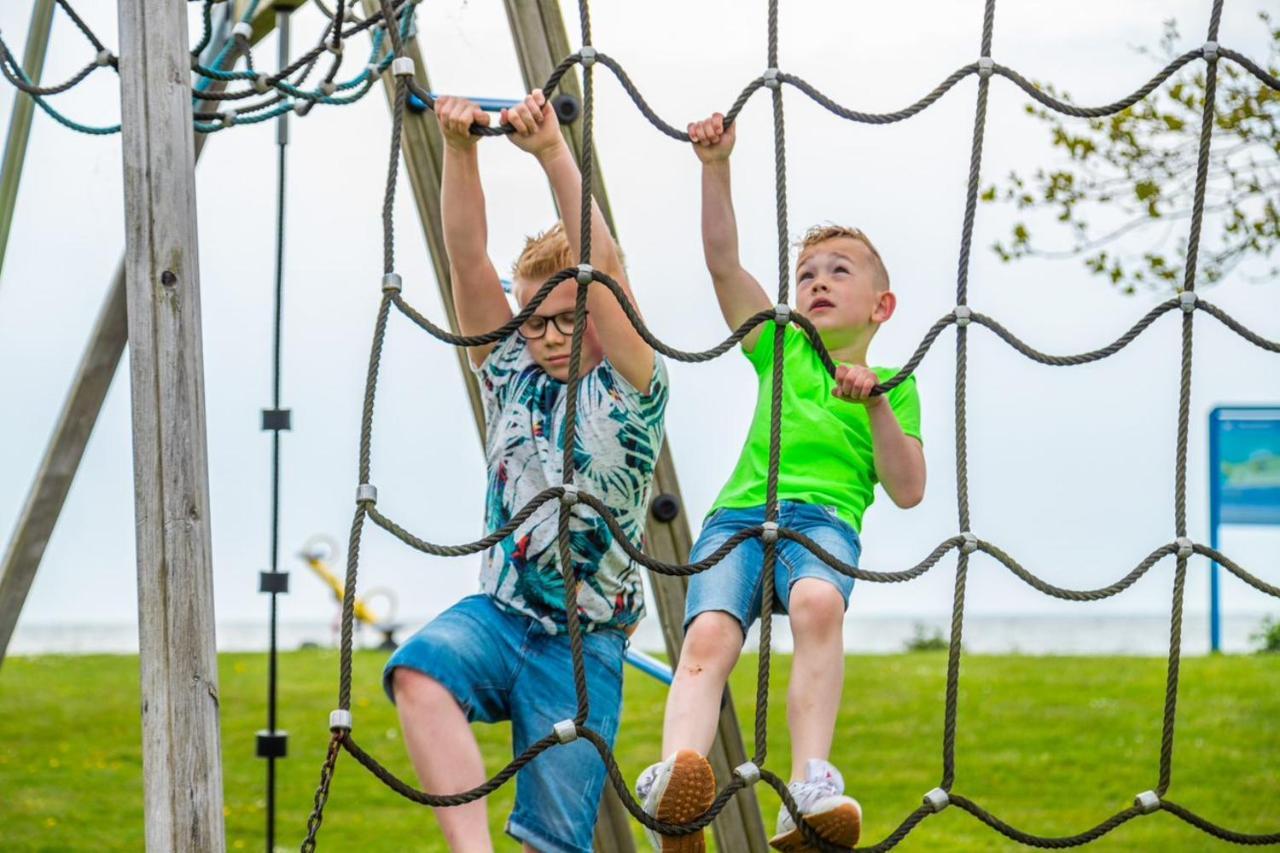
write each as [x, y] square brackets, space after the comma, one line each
[505, 666]
[734, 585]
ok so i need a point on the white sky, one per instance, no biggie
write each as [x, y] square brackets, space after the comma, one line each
[1070, 469]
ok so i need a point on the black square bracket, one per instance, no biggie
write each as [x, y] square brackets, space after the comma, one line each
[272, 744]
[277, 419]
[274, 582]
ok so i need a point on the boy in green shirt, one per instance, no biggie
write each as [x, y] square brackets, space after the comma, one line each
[838, 441]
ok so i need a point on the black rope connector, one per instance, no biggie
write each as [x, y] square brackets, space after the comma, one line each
[272, 744]
[937, 800]
[1147, 802]
[567, 108]
[665, 508]
[275, 420]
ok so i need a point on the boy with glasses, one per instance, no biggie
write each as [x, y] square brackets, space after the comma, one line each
[504, 654]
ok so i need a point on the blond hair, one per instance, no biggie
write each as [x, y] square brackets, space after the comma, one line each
[822, 233]
[544, 255]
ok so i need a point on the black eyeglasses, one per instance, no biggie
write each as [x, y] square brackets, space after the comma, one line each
[536, 326]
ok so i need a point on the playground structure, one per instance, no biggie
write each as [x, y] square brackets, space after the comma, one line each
[162, 289]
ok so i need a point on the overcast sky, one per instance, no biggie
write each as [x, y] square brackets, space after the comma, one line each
[1071, 470]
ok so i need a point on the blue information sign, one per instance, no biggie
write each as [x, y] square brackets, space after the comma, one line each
[1244, 480]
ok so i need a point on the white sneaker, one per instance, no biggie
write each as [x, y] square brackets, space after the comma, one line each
[677, 790]
[821, 802]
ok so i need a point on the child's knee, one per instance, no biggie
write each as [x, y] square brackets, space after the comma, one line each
[816, 605]
[713, 637]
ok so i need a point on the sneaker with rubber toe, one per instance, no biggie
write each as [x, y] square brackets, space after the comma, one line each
[678, 790]
[823, 806]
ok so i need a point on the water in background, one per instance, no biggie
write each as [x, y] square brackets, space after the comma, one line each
[1109, 634]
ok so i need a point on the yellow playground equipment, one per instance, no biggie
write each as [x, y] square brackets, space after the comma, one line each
[318, 553]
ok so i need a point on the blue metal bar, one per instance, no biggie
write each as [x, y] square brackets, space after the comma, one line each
[1215, 602]
[489, 105]
[650, 665]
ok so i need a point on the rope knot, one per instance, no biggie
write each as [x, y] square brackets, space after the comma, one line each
[937, 800]
[748, 772]
[566, 731]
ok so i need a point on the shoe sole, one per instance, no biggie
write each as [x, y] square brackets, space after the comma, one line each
[841, 826]
[690, 792]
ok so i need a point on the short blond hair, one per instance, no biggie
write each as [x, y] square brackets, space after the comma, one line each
[822, 233]
[544, 255]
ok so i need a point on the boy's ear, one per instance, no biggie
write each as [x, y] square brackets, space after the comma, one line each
[886, 304]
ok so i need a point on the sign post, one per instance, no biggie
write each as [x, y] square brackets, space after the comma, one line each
[1244, 481]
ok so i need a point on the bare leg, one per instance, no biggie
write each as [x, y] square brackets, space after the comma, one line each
[817, 670]
[711, 648]
[445, 755]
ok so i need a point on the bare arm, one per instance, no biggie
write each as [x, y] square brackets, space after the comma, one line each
[738, 292]
[538, 132]
[477, 289]
[899, 459]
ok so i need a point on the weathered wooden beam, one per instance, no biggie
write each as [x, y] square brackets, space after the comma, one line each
[182, 763]
[66, 446]
[541, 40]
[15, 146]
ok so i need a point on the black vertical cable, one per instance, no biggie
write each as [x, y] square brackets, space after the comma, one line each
[279, 421]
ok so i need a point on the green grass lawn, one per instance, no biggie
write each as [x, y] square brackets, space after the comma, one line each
[1051, 745]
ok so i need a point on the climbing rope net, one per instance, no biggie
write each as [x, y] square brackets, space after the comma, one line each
[282, 91]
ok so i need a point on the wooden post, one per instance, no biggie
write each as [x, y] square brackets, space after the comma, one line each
[541, 40]
[15, 146]
[182, 768]
[66, 445]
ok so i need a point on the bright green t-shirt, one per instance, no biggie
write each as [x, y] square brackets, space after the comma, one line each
[827, 455]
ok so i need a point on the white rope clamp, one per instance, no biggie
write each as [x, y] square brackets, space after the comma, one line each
[1210, 51]
[104, 58]
[402, 66]
[986, 66]
[937, 800]
[262, 84]
[1147, 802]
[570, 496]
[328, 87]
[366, 492]
[970, 542]
[566, 731]
[769, 531]
[770, 78]
[586, 274]
[782, 313]
[302, 107]
[340, 719]
[748, 772]
[373, 70]
[1185, 547]
[242, 30]
[1187, 299]
[391, 282]
[335, 49]
[227, 117]
[588, 56]
[962, 313]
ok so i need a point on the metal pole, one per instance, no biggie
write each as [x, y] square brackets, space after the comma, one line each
[182, 765]
[1215, 620]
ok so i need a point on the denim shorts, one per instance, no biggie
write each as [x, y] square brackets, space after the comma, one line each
[505, 666]
[734, 585]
